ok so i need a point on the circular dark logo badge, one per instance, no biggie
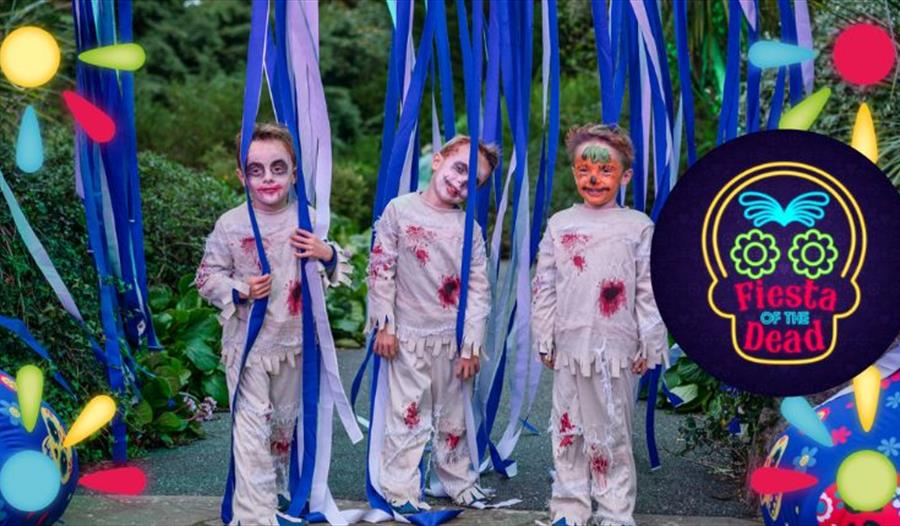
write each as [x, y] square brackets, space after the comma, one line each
[776, 262]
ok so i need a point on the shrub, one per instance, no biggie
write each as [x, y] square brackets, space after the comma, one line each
[180, 206]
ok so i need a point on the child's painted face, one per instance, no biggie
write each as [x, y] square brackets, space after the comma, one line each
[270, 174]
[451, 175]
[598, 173]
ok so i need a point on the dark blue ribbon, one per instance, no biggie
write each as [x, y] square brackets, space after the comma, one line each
[789, 36]
[100, 87]
[684, 72]
[18, 328]
[258, 29]
[753, 78]
[728, 116]
[777, 103]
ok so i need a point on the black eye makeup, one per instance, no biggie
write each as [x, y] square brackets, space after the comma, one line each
[255, 170]
[461, 168]
[278, 167]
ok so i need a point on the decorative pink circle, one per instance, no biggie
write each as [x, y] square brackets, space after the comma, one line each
[863, 54]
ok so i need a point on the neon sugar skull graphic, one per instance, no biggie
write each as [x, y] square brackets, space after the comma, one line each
[774, 262]
[784, 243]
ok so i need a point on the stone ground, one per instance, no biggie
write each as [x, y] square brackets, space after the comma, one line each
[185, 484]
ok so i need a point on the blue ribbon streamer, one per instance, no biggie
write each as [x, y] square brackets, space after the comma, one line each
[638, 179]
[789, 36]
[777, 103]
[101, 87]
[18, 328]
[753, 78]
[684, 73]
[255, 53]
[731, 95]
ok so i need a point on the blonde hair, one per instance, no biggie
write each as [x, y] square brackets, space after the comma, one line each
[490, 152]
[611, 134]
[267, 131]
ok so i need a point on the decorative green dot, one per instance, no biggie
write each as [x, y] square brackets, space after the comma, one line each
[866, 480]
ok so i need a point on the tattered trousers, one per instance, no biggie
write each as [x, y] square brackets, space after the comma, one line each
[424, 395]
[263, 431]
[590, 426]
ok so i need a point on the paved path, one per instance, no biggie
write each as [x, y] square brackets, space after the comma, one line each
[681, 492]
[204, 511]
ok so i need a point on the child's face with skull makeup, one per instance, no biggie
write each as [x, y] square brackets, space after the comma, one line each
[450, 182]
[270, 174]
[599, 172]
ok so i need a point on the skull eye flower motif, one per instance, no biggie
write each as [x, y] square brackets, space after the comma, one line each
[813, 254]
[755, 254]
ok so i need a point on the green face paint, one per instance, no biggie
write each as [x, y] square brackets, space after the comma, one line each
[595, 153]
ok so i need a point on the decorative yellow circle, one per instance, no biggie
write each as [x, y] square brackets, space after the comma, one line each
[866, 480]
[29, 57]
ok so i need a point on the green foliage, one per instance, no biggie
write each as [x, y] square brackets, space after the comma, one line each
[54, 16]
[187, 369]
[180, 207]
[190, 332]
[690, 383]
[732, 425]
[347, 304]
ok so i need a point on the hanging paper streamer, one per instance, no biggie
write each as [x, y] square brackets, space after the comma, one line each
[103, 106]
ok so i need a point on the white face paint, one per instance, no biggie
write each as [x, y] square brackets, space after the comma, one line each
[450, 182]
[270, 174]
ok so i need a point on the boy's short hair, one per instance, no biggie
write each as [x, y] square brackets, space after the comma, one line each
[490, 152]
[611, 134]
[267, 131]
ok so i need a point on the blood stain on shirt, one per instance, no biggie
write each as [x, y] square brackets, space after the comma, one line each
[448, 292]
[612, 297]
[295, 298]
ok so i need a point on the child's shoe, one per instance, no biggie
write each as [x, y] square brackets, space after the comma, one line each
[473, 497]
[408, 508]
[284, 519]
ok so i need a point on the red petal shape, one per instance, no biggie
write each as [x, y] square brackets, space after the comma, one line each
[772, 481]
[120, 481]
[96, 123]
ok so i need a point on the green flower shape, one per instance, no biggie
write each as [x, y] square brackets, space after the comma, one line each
[813, 254]
[755, 254]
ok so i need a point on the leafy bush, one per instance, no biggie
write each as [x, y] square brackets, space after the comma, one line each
[185, 371]
[733, 425]
[179, 205]
[347, 305]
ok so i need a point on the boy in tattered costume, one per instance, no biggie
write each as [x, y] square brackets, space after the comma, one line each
[229, 277]
[414, 289]
[595, 322]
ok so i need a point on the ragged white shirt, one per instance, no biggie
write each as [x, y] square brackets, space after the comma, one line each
[592, 299]
[414, 277]
[230, 258]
